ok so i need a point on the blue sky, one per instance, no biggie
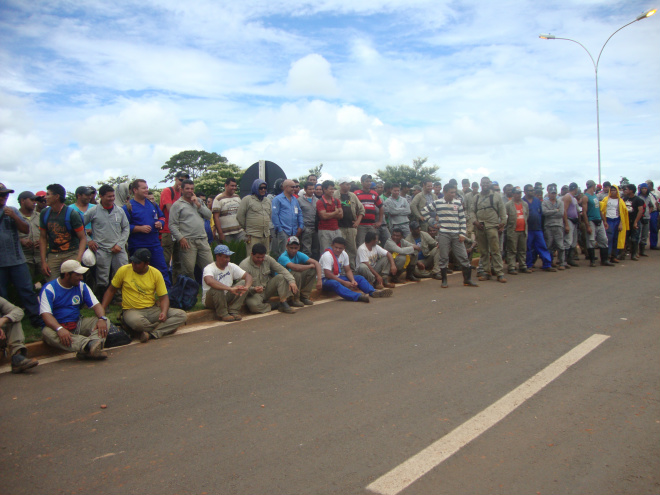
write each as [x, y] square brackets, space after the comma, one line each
[93, 89]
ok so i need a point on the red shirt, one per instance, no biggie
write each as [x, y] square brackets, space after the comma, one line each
[323, 204]
[167, 199]
[371, 202]
[520, 217]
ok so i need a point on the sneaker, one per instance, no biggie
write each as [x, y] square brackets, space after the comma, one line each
[144, 337]
[381, 293]
[20, 363]
[285, 308]
[363, 298]
[227, 318]
[306, 301]
[296, 303]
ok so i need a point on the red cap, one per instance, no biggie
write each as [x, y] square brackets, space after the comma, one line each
[40, 193]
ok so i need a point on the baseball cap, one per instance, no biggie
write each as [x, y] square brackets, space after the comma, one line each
[222, 249]
[4, 189]
[590, 183]
[142, 255]
[72, 266]
[494, 183]
[292, 240]
[185, 175]
[344, 180]
[84, 190]
[414, 224]
[516, 190]
[552, 189]
[365, 177]
[41, 194]
[26, 195]
[572, 186]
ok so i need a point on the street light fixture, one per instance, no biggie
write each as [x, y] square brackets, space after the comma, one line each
[596, 62]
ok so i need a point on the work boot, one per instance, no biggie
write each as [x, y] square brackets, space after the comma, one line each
[306, 301]
[633, 252]
[411, 276]
[484, 276]
[642, 248]
[363, 298]
[467, 277]
[614, 258]
[285, 308]
[603, 258]
[443, 272]
[20, 363]
[571, 257]
[296, 303]
[592, 256]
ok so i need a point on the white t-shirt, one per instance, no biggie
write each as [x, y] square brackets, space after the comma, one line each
[613, 208]
[226, 277]
[327, 262]
[371, 257]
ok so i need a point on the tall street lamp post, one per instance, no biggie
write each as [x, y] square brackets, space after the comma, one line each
[552, 37]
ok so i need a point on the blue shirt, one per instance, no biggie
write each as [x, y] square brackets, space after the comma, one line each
[82, 214]
[286, 214]
[535, 214]
[65, 304]
[11, 252]
[148, 214]
[299, 259]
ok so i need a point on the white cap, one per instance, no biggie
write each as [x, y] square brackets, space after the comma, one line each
[72, 266]
[344, 180]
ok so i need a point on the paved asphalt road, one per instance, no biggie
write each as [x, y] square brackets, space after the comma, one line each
[328, 400]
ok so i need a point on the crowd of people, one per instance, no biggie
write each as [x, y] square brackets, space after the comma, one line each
[357, 240]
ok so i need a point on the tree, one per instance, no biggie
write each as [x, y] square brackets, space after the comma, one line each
[115, 181]
[411, 175]
[195, 163]
[312, 171]
[212, 182]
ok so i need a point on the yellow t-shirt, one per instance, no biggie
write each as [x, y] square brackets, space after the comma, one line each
[137, 291]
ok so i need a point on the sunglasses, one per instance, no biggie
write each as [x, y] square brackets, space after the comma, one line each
[263, 187]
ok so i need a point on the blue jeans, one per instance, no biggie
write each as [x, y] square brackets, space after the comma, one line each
[345, 292]
[612, 236]
[536, 247]
[157, 261]
[654, 229]
[19, 275]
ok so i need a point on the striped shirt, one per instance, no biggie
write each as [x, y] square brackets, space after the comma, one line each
[450, 216]
[372, 203]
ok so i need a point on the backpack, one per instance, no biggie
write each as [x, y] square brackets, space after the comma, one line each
[183, 294]
[67, 217]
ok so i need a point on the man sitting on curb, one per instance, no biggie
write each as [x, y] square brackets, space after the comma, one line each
[138, 283]
[338, 276]
[405, 256]
[265, 285]
[10, 318]
[374, 263]
[429, 255]
[61, 302]
[305, 270]
[220, 291]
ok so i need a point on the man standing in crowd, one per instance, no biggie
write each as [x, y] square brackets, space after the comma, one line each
[635, 206]
[398, 210]
[450, 215]
[655, 214]
[254, 214]
[82, 205]
[225, 286]
[140, 286]
[146, 220]
[535, 241]
[312, 179]
[330, 212]
[594, 222]
[405, 256]
[110, 230]
[286, 216]
[649, 206]
[30, 209]
[353, 213]
[554, 225]
[12, 331]
[374, 263]
[61, 302]
[309, 238]
[168, 197]
[429, 254]
[13, 268]
[187, 217]
[605, 192]
[266, 285]
[517, 212]
[571, 221]
[421, 201]
[616, 214]
[338, 276]
[373, 210]
[305, 270]
[488, 216]
[62, 235]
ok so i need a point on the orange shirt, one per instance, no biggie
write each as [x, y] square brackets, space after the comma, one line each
[520, 217]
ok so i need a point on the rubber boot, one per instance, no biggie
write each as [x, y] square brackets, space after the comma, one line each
[633, 252]
[565, 258]
[642, 248]
[467, 277]
[592, 256]
[603, 258]
[443, 272]
[572, 258]
[409, 273]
